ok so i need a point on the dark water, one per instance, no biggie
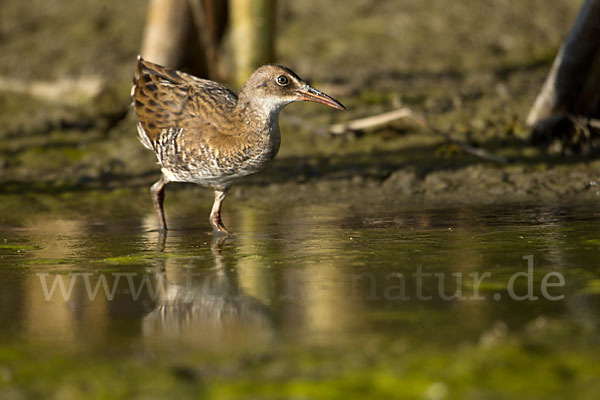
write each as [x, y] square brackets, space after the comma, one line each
[305, 277]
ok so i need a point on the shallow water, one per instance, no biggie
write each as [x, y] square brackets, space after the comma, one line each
[307, 276]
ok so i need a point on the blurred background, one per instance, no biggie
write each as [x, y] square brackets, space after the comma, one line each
[473, 68]
[293, 305]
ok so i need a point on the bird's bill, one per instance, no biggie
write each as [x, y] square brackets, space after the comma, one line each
[312, 94]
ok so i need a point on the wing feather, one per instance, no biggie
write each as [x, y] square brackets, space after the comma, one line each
[165, 99]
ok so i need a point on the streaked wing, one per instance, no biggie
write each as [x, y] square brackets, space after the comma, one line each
[164, 99]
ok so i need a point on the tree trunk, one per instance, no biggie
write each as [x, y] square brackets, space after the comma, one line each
[252, 36]
[185, 34]
[573, 86]
[210, 21]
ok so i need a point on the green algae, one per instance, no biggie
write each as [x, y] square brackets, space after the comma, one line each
[385, 370]
[125, 260]
[146, 258]
[18, 247]
[592, 287]
[47, 261]
[376, 347]
[74, 182]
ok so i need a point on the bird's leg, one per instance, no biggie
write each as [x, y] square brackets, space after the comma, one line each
[158, 197]
[215, 213]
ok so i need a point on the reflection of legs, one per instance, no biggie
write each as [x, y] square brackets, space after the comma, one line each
[215, 213]
[162, 240]
[215, 248]
[158, 197]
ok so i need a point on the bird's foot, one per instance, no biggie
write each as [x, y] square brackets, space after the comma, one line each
[221, 231]
[218, 227]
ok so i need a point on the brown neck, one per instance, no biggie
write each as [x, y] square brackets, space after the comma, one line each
[258, 114]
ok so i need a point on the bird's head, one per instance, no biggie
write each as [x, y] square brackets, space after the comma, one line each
[275, 86]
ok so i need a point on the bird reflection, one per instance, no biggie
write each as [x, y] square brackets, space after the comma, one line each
[205, 306]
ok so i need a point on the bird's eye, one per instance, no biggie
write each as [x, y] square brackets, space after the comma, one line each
[282, 80]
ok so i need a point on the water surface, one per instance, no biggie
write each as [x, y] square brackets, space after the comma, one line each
[321, 293]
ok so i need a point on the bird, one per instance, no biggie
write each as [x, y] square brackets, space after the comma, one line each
[202, 132]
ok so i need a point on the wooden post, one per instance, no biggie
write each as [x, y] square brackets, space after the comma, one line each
[186, 34]
[170, 38]
[573, 84]
[252, 35]
[210, 20]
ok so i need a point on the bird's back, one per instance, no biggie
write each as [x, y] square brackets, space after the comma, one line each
[164, 99]
[188, 122]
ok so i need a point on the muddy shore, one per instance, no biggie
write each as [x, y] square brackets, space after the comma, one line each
[473, 81]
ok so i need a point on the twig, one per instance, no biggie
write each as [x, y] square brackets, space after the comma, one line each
[584, 122]
[370, 122]
[62, 90]
[461, 145]
[375, 121]
[404, 112]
